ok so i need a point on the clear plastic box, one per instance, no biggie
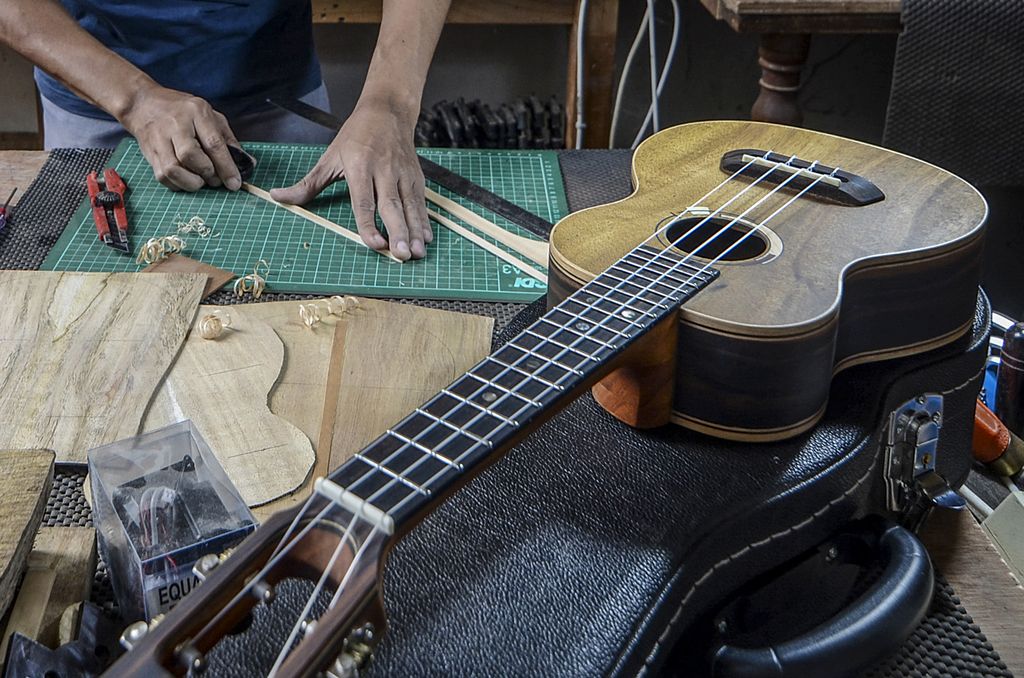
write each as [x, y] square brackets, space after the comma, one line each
[160, 502]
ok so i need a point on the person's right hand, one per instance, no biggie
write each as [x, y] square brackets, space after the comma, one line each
[183, 138]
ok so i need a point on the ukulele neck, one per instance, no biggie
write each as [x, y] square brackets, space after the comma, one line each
[402, 474]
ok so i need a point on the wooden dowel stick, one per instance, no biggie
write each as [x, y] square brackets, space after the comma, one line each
[534, 250]
[315, 218]
[493, 249]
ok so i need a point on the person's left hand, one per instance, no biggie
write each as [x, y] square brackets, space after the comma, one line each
[374, 152]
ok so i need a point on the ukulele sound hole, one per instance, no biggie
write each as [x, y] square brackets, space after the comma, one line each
[735, 243]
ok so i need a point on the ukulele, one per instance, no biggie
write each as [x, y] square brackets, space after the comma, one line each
[752, 262]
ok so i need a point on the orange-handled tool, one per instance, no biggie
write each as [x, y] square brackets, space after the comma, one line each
[995, 445]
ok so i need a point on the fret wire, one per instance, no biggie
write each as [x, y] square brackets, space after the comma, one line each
[641, 274]
[487, 381]
[702, 276]
[596, 282]
[597, 298]
[395, 474]
[432, 453]
[582, 334]
[528, 375]
[460, 429]
[570, 328]
[497, 415]
[552, 340]
[607, 315]
[554, 360]
[642, 288]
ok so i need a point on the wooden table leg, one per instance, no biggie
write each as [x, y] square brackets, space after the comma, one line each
[600, 33]
[782, 58]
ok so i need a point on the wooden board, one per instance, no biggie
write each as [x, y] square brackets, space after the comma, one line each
[59, 573]
[807, 16]
[84, 352]
[392, 359]
[18, 169]
[223, 386]
[24, 487]
[299, 395]
[216, 278]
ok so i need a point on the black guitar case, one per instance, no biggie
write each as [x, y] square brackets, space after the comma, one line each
[593, 549]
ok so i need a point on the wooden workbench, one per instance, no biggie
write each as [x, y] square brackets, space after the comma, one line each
[957, 544]
[784, 28]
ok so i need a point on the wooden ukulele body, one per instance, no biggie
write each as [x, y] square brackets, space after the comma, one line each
[823, 286]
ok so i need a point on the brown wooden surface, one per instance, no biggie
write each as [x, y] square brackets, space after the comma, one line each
[18, 169]
[24, 486]
[395, 357]
[601, 31]
[223, 385]
[962, 552]
[84, 353]
[807, 16]
[59, 573]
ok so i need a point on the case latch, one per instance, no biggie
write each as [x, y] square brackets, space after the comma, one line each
[912, 484]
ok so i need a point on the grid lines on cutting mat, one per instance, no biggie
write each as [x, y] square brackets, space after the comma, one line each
[306, 258]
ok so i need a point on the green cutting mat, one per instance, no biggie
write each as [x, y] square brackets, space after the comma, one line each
[306, 258]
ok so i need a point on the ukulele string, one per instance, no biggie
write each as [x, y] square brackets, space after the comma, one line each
[312, 598]
[282, 544]
[724, 182]
[283, 547]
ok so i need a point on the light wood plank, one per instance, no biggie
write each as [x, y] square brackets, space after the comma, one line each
[315, 218]
[534, 250]
[24, 487]
[59, 573]
[84, 352]
[223, 386]
[490, 247]
[332, 371]
[395, 357]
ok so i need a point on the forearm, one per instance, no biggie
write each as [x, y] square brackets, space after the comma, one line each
[398, 70]
[42, 32]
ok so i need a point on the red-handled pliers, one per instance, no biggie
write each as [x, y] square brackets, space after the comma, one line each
[106, 196]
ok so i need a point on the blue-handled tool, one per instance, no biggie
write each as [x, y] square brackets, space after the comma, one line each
[3, 210]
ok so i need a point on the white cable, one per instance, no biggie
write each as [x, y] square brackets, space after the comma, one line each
[976, 502]
[626, 67]
[580, 32]
[651, 33]
[669, 59]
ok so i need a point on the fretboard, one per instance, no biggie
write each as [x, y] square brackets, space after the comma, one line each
[481, 412]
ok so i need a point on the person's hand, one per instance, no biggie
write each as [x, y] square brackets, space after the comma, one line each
[183, 138]
[374, 152]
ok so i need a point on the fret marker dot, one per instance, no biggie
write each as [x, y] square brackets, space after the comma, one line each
[582, 326]
[489, 397]
[629, 315]
[533, 363]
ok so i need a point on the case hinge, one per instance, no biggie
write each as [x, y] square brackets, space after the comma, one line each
[912, 484]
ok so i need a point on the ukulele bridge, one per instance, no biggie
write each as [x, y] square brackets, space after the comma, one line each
[829, 183]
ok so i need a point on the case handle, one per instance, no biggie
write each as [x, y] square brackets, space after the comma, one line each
[864, 633]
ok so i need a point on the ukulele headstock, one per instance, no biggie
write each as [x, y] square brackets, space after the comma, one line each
[337, 547]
